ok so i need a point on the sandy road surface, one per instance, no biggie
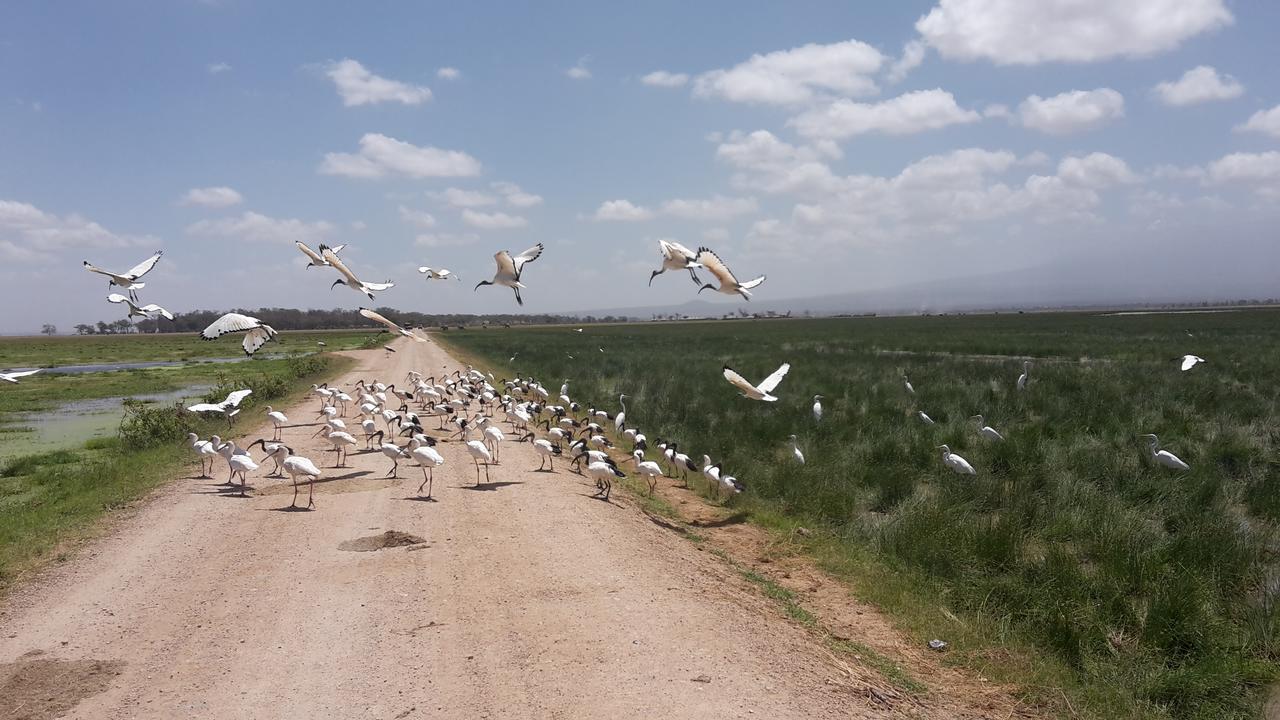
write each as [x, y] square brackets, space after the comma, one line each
[529, 599]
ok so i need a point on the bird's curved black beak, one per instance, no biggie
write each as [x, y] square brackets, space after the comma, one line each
[336, 283]
[653, 275]
[704, 287]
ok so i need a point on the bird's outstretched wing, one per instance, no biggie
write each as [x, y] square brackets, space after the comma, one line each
[234, 399]
[144, 267]
[680, 251]
[95, 269]
[231, 322]
[424, 269]
[315, 256]
[331, 257]
[753, 283]
[378, 318]
[379, 287]
[712, 262]
[117, 298]
[153, 308]
[527, 256]
[337, 248]
[771, 382]
[12, 377]
[256, 338]
[738, 381]
[205, 407]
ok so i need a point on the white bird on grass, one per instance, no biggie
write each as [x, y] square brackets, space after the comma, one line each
[1164, 457]
[676, 257]
[1190, 361]
[13, 376]
[1025, 377]
[761, 391]
[620, 420]
[986, 431]
[795, 451]
[648, 468]
[957, 464]
[128, 280]
[349, 278]
[229, 407]
[924, 417]
[203, 450]
[729, 284]
[149, 311]
[376, 317]
[278, 419]
[817, 408]
[317, 260]
[437, 273]
[509, 269]
[907, 384]
[256, 334]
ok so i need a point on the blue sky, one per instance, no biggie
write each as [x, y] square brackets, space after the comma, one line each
[836, 146]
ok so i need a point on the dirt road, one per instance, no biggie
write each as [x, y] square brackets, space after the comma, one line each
[528, 599]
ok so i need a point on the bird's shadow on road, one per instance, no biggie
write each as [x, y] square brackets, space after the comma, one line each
[221, 490]
[419, 498]
[489, 486]
[601, 498]
[293, 509]
[349, 476]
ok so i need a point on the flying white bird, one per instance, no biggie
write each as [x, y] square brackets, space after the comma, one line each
[143, 311]
[229, 407]
[676, 257]
[757, 392]
[795, 451]
[1190, 361]
[1164, 457]
[13, 376]
[1025, 377]
[817, 408]
[509, 269]
[729, 284]
[349, 278]
[390, 325]
[256, 334]
[317, 260]
[955, 462]
[985, 430]
[437, 273]
[128, 280]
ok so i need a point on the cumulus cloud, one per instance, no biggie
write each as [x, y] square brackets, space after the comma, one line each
[1096, 170]
[1258, 168]
[912, 55]
[906, 114]
[1263, 121]
[211, 197]
[463, 198]
[381, 156]
[218, 67]
[1071, 112]
[580, 71]
[1198, 85]
[662, 78]
[448, 73]
[262, 228]
[359, 86]
[621, 211]
[417, 218]
[29, 234]
[1017, 32]
[717, 208]
[435, 240]
[796, 76]
[492, 221]
[515, 196]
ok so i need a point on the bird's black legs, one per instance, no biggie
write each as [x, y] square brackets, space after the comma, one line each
[311, 493]
[392, 473]
[294, 501]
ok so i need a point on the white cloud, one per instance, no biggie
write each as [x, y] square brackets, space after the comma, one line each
[492, 221]
[775, 166]
[381, 156]
[212, 197]
[435, 240]
[1018, 32]
[1096, 170]
[261, 228]
[1246, 167]
[580, 71]
[1198, 85]
[662, 78]
[796, 76]
[912, 55]
[358, 86]
[717, 208]
[515, 196]
[417, 218]
[1263, 121]
[448, 73]
[28, 233]
[1071, 112]
[218, 67]
[621, 211]
[359, 225]
[463, 198]
[906, 114]
[1173, 172]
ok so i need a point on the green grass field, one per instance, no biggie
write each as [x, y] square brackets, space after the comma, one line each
[41, 351]
[1076, 567]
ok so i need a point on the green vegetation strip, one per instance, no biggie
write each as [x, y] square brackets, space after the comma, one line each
[1071, 566]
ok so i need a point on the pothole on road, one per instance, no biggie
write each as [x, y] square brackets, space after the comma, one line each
[388, 539]
[40, 688]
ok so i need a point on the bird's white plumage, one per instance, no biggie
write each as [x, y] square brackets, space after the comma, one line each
[729, 284]
[761, 391]
[377, 317]
[1190, 361]
[256, 333]
[13, 376]
[437, 273]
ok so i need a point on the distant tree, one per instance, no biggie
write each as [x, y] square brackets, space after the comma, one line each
[49, 329]
[84, 329]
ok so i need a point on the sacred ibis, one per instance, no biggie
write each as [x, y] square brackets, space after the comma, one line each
[509, 269]
[127, 280]
[676, 257]
[729, 284]
[256, 334]
[761, 391]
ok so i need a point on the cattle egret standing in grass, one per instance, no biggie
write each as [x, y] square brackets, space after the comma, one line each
[795, 451]
[1025, 376]
[817, 408]
[1164, 457]
[924, 417]
[509, 269]
[676, 257]
[1190, 361]
[729, 284]
[128, 280]
[955, 462]
[13, 376]
[256, 334]
[986, 431]
[229, 407]
[761, 391]
[907, 384]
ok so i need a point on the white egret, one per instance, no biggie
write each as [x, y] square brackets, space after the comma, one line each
[957, 464]
[1164, 457]
[509, 269]
[13, 376]
[1025, 377]
[924, 417]
[127, 280]
[349, 278]
[256, 334]
[907, 384]
[1190, 361]
[795, 451]
[676, 257]
[620, 420]
[761, 391]
[986, 431]
[729, 284]
[817, 408]
[229, 407]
